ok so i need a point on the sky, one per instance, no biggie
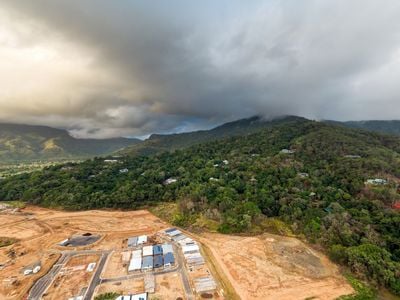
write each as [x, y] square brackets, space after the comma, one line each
[103, 68]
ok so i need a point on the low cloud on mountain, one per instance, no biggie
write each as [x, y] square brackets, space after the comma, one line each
[109, 68]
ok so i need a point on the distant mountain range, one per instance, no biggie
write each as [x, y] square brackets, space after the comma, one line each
[28, 142]
[386, 126]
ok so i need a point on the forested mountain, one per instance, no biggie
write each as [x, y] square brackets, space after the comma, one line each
[382, 126]
[158, 143]
[27, 142]
[315, 188]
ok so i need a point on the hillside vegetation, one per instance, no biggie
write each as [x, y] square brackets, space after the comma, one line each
[158, 143]
[26, 143]
[381, 126]
[247, 184]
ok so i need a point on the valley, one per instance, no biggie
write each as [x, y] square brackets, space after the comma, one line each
[335, 187]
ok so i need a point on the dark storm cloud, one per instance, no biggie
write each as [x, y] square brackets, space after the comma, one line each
[174, 65]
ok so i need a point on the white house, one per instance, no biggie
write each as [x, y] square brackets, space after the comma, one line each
[170, 181]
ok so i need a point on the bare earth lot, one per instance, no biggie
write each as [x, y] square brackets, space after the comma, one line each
[125, 287]
[169, 287]
[274, 267]
[72, 279]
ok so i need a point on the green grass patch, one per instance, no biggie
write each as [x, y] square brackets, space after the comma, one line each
[206, 223]
[107, 296]
[165, 211]
[275, 226]
[362, 290]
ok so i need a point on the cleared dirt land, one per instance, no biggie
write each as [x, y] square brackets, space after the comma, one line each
[125, 287]
[274, 267]
[39, 230]
[169, 287]
[263, 267]
[71, 279]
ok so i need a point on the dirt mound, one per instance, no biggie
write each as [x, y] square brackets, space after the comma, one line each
[293, 255]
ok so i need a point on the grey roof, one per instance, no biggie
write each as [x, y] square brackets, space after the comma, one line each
[179, 237]
[158, 261]
[167, 248]
[169, 258]
[157, 250]
[132, 241]
[170, 230]
[147, 262]
[174, 232]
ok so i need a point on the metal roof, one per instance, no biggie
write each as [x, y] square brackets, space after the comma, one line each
[174, 232]
[132, 241]
[157, 250]
[179, 237]
[147, 250]
[158, 261]
[190, 248]
[142, 239]
[169, 258]
[137, 253]
[135, 264]
[142, 296]
[147, 262]
[204, 284]
[167, 248]
[170, 230]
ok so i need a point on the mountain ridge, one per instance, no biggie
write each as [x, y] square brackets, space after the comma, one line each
[22, 142]
[158, 143]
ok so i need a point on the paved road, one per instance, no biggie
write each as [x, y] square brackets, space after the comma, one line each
[44, 282]
[96, 280]
[184, 276]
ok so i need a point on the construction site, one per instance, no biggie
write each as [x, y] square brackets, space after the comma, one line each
[79, 255]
